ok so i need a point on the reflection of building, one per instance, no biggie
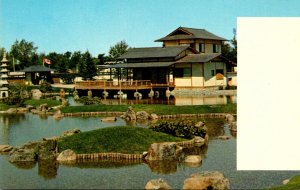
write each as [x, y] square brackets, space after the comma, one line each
[4, 76]
[200, 100]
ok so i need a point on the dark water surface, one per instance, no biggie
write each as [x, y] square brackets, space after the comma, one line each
[220, 156]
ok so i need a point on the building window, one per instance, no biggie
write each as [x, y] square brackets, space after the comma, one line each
[212, 72]
[202, 48]
[216, 48]
[182, 72]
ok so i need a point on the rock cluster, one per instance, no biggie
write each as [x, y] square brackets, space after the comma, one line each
[45, 149]
[206, 180]
[130, 115]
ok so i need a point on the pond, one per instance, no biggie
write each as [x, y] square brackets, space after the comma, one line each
[178, 100]
[220, 155]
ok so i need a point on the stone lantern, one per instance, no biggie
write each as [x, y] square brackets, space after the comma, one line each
[3, 77]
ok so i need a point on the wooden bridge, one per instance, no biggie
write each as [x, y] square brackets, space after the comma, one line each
[119, 85]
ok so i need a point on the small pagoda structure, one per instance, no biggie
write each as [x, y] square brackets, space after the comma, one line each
[3, 77]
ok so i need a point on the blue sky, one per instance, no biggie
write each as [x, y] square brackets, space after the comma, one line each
[95, 25]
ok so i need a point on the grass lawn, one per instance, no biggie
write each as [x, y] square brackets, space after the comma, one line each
[4, 107]
[152, 108]
[35, 103]
[292, 185]
[123, 139]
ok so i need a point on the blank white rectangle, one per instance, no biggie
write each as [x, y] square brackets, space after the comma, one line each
[268, 93]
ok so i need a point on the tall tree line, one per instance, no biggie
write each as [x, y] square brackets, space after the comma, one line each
[24, 54]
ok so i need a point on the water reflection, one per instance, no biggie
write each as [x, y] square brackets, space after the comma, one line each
[6, 121]
[48, 168]
[24, 165]
[162, 167]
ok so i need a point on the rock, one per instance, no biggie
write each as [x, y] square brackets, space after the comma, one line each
[193, 160]
[199, 141]
[30, 107]
[206, 138]
[57, 115]
[46, 149]
[142, 115]
[157, 184]
[43, 107]
[36, 94]
[229, 118]
[109, 119]
[22, 110]
[145, 154]
[286, 181]
[224, 137]
[23, 155]
[12, 110]
[66, 156]
[206, 180]
[71, 132]
[64, 102]
[5, 148]
[233, 126]
[153, 116]
[200, 124]
[130, 114]
[162, 151]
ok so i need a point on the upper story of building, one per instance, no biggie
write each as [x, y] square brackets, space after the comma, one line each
[198, 39]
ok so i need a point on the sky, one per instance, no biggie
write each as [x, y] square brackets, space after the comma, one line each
[96, 25]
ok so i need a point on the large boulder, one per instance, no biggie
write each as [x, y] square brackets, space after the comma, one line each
[5, 148]
[206, 180]
[22, 110]
[129, 115]
[71, 132]
[200, 124]
[36, 94]
[157, 184]
[142, 115]
[66, 156]
[162, 151]
[64, 102]
[153, 116]
[229, 118]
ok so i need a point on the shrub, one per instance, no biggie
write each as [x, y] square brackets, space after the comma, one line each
[182, 128]
[45, 87]
[89, 101]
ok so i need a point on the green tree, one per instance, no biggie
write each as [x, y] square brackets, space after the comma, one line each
[87, 67]
[229, 50]
[117, 50]
[75, 60]
[23, 51]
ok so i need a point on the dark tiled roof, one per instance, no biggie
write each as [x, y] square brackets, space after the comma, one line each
[192, 33]
[153, 52]
[37, 68]
[198, 58]
[139, 65]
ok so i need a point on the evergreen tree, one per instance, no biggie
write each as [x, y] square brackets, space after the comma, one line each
[87, 67]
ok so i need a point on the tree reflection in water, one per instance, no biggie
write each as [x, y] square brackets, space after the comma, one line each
[48, 168]
[6, 121]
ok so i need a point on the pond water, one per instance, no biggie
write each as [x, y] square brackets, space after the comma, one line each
[220, 155]
[178, 100]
